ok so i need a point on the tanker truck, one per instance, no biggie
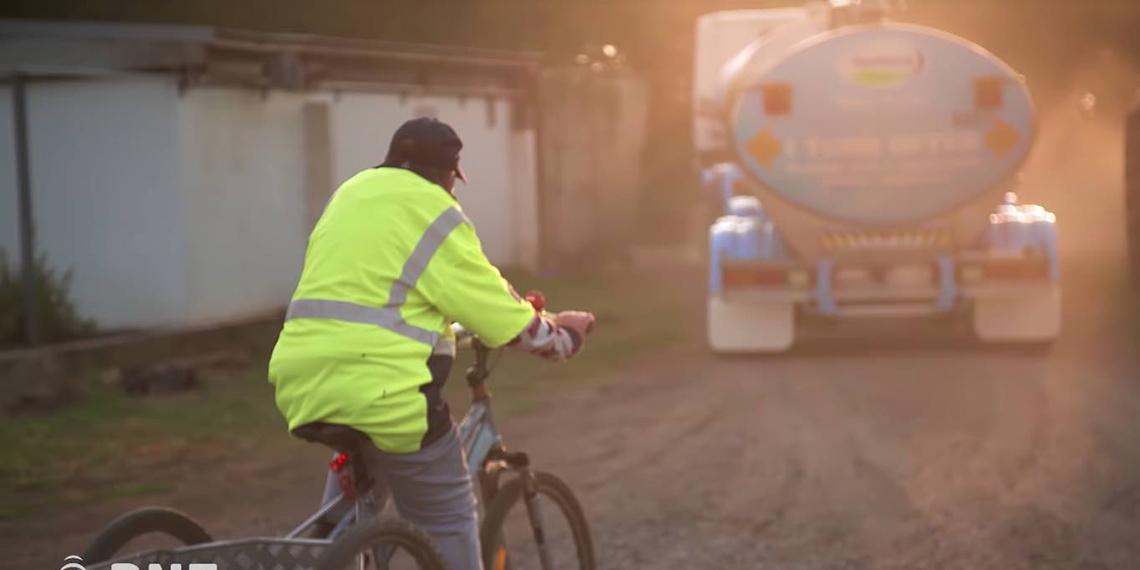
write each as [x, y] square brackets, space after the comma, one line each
[867, 170]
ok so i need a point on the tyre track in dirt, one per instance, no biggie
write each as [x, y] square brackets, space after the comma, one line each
[859, 457]
[924, 456]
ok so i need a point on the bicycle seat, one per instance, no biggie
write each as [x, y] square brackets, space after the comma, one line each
[341, 438]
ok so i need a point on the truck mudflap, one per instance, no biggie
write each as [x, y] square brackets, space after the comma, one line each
[751, 324]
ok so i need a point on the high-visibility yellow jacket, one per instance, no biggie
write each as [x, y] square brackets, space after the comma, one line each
[390, 265]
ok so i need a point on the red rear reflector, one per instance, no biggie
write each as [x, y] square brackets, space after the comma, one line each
[1016, 271]
[754, 278]
[777, 98]
[988, 92]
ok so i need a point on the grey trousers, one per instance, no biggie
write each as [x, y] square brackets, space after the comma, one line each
[431, 489]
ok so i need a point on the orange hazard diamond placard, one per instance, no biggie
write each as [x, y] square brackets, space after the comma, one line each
[1001, 138]
[764, 147]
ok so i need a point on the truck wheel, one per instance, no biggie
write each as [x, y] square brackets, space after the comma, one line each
[1029, 318]
[750, 326]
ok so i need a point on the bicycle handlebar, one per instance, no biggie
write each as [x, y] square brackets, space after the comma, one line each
[535, 298]
[479, 370]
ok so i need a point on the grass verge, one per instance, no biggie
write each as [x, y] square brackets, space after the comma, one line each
[110, 445]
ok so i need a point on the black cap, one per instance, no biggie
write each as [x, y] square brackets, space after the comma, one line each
[426, 141]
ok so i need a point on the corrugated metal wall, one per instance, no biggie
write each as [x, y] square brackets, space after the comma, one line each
[176, 207]
[104, 164]
[592, 142]
[242, 199]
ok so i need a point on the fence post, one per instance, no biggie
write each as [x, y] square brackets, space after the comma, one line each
[32, 325]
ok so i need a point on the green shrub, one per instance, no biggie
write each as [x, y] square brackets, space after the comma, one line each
[59, 319]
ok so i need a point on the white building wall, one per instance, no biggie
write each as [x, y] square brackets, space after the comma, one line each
[174, 208]
[362, 125]
[103, 154]
[243, 200]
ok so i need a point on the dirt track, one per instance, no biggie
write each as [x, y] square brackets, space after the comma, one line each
[850, 455]
[920, 458]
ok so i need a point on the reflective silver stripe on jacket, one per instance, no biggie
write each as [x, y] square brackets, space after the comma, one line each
[385, 318]
[389, 317]
[433, 237]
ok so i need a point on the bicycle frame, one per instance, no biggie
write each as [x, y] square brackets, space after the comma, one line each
[362, 505]
[478, 435]
[486, 454]
[486, 457]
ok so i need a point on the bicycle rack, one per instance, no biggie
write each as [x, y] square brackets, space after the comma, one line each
[241, 554]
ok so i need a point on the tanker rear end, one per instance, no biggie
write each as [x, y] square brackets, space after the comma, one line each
[867, 170]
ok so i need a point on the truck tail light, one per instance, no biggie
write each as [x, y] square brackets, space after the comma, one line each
[1005, 270]
[799, 279]
[768, 277]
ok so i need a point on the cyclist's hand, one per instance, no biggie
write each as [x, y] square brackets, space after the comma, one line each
[580, 322]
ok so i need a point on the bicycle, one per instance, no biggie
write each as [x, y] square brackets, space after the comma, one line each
[376, 542]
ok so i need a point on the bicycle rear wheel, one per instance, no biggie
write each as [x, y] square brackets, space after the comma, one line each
[382, 544]
[139, 523]
[510, 542]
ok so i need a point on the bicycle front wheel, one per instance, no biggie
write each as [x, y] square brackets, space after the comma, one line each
[549, 533]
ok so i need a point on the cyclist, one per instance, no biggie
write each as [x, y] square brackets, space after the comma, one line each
[366, 341]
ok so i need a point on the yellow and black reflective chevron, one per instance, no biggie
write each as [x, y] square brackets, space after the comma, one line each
[885, 240]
